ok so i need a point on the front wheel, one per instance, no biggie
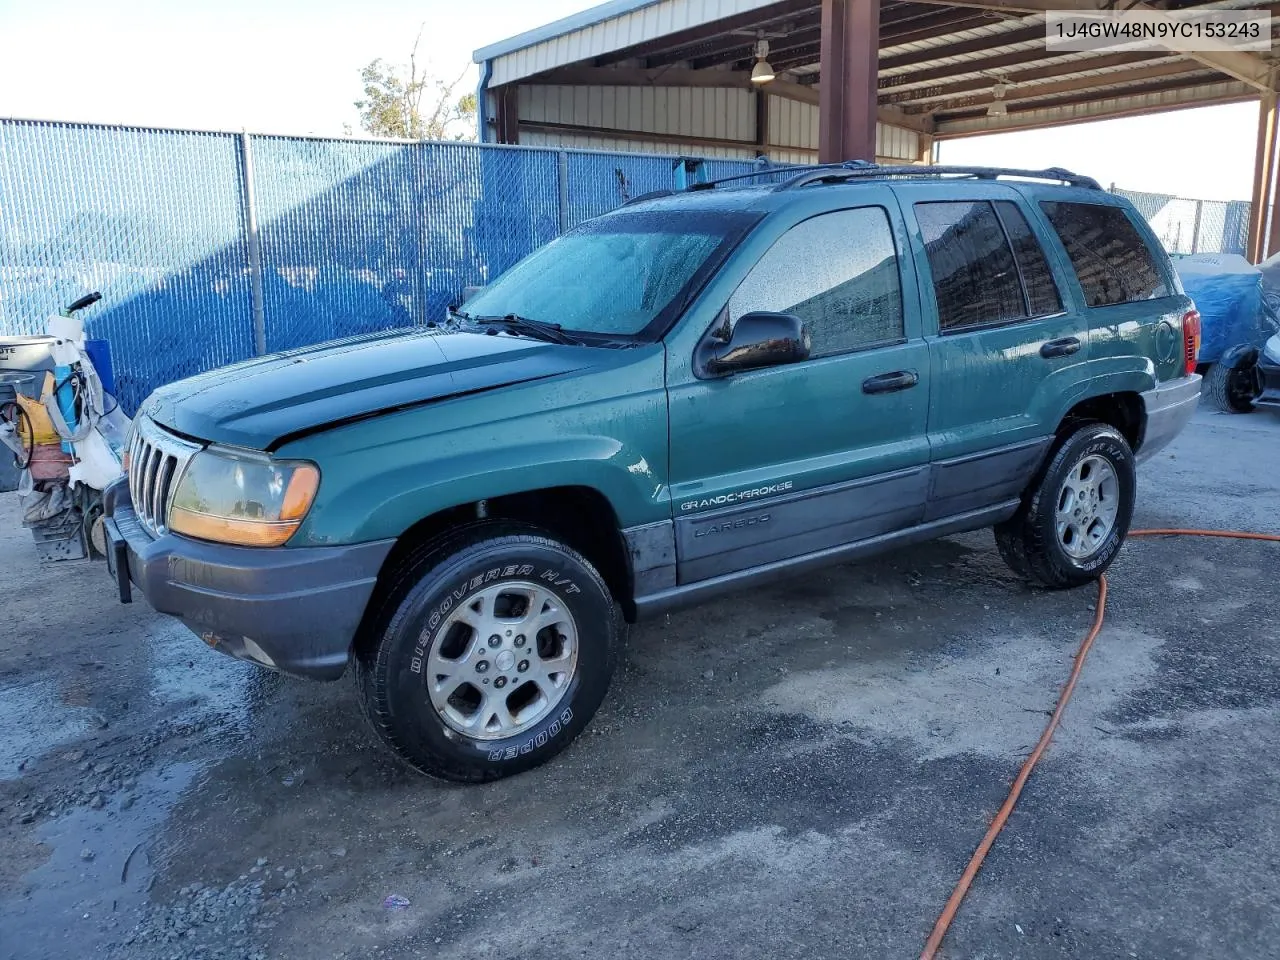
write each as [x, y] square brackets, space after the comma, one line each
[1074, 518]
[495, 649]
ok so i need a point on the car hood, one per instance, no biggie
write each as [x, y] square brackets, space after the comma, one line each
[261, 403]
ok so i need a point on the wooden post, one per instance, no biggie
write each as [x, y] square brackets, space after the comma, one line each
[847, 95]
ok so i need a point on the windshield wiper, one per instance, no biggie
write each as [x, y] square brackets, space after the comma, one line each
[540, 329]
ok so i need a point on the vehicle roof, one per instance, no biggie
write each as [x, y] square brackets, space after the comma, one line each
[764, 198]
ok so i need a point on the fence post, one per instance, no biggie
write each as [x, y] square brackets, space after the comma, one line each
[1195, 229]
[563, 165]
[255, 246]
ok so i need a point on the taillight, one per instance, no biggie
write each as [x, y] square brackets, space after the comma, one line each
[1191, 338]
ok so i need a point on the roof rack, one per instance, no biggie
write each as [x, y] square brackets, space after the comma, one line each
[843, 172]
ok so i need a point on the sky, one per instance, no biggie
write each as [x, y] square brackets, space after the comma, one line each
[292, 67]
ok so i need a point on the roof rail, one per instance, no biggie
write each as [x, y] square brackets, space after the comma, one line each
[651, 195]
[843, 172]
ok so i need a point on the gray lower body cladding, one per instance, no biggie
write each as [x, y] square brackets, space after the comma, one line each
[293, 609]
[720, 550]
[1169, 407]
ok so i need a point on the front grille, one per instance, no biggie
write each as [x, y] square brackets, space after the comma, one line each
[156, 461]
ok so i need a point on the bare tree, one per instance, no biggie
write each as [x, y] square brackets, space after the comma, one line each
[393, 102]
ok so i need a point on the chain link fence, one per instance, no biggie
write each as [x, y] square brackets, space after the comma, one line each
[213, 247]
[1193, 226]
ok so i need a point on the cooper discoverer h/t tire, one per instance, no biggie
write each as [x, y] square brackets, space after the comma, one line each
[495, 647]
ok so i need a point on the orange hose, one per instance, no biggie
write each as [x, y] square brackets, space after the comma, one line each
[997, 824]
[1228, 534]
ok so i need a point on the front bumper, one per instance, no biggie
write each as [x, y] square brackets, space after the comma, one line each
[293, 609]
[1169, 408]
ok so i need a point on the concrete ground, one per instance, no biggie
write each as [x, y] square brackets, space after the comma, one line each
[795, 772]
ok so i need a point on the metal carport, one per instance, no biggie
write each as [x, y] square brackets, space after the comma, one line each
[675, 76]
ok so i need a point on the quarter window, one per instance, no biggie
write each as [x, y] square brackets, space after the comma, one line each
[837, 272]
[1111, 259]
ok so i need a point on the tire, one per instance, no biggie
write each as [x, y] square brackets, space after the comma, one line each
[499, 576]
[1231, 390]
[1094, 457]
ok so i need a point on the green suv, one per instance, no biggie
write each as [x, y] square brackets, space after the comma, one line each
[695, 393]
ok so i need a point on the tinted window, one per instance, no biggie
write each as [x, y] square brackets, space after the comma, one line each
[1110, 257]
[1037, 279]
[838, 273]
[975, 277]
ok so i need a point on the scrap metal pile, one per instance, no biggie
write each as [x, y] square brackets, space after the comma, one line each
[65, 431]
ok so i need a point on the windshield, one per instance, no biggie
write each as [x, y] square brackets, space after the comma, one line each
[627, 275]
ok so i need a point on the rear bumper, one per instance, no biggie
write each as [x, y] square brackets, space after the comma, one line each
[1169, 407]
[293, 609]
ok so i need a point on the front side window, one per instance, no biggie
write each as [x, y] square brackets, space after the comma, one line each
[838, 272]
[627, 274]
[975, 276]
[1111, 260]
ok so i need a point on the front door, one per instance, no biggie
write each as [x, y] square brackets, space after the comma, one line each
[777, 463]
[1006, 347]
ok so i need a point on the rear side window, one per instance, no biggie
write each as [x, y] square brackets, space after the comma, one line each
[1043, 298]
[838, 272]
[1111, 260]
[975, 277]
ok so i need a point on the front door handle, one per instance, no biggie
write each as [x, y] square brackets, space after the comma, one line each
[889, 382]
[1060, 348]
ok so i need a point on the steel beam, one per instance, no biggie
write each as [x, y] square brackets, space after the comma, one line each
[847, 99]
[1052, 70]
[1262, 216]
[1247, 67]
[1133, 102]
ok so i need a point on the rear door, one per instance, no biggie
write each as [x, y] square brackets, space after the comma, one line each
[777, 463]
[1007, 347]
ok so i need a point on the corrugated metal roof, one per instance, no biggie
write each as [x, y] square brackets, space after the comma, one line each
[940, 43]
[558, 28]
[601, 30]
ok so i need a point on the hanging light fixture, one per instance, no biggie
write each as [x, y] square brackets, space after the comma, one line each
[762, 72]
[998, 107]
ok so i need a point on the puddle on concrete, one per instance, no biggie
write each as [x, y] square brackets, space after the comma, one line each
[186, 673]
[81, 900]
[34, 719]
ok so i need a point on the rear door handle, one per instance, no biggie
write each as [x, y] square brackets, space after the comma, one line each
[889, 382]
[1060, 348]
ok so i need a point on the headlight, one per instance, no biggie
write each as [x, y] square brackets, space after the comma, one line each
[240, 498]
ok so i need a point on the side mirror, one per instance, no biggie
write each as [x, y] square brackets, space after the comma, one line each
[761, 340]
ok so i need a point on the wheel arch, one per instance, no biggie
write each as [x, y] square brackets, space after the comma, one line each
[1241, 355]
[1122, 409]
[579, 516]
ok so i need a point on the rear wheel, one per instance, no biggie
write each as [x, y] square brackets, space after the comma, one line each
[1232, 389]
[495, 649]
[1074, 518]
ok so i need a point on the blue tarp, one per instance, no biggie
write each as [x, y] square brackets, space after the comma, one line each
[1227, 290]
